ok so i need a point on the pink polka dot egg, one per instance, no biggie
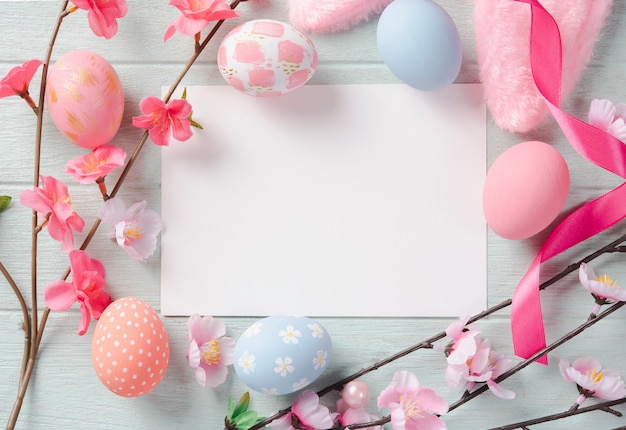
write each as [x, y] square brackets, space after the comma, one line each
[130, 348]
[266, 58]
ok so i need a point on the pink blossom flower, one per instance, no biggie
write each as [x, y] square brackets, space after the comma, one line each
[197, 14]
[86, 288]
[348, 415]
[164, 119]
[18, 79]
[307, 412]
[136, 228]
[412, 406]
[608, 117]
[209, 350]
[471, 360]
[102, 15]
[592, 380]
[97, 164]
[53, 202]
[602, 288]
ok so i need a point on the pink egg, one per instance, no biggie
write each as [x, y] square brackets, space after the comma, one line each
[525, 189]
[266, 58]
[130, 349]
[85, 98]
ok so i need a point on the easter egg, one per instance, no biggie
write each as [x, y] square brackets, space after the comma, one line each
[266, 58]
[419, 43]
[525, 189]
[282, 354]
[85, 98]
[130, 349]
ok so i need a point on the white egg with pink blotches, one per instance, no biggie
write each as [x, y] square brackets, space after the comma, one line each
[266, 58]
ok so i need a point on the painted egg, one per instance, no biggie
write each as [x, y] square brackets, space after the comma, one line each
[525, 189]
[282, 354]
[130, 349]
[266, 58]
[419, 43]
[85, 98]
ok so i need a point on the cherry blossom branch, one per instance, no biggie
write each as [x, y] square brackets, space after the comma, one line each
[33, 327]
[521, 365]
[603, 406]
[612, 247]
[31, 343]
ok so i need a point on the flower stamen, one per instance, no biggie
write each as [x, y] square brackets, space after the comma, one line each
[606, 280]
[411, 406]
[210, 352]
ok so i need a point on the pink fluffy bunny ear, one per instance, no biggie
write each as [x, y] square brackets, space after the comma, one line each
[502, 35]
[327, 16]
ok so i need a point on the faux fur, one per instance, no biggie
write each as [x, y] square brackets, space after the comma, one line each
[328, 16]
[502, 41]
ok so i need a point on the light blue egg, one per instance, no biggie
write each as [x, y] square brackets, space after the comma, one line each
[420, 44]
[282, 354]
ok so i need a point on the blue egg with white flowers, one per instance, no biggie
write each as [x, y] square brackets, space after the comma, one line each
[420, 44]
[282, 354]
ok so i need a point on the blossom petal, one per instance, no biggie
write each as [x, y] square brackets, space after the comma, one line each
[112, 211]
[227, 350]
[618, 129]
[85, 319]
[143, 121]
[59, 296]
[181, 129]
[35, 201]
[150, 104]
[620, 111]
[193, 354]
[499, 391]
[30, 68]
[180, 108]
[159, 137]
[282, 423]
[200, 376]
[189, 26]
[215, 375]
[431, 401]
[310, 412]
[601, 113]
[398, 418]
[206, 329]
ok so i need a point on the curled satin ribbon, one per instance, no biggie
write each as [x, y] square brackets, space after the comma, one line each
[595, 216]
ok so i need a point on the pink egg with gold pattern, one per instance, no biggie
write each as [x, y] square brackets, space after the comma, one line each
[266, 58]
[85, 98]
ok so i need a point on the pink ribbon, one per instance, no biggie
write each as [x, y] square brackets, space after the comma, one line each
[592, 218]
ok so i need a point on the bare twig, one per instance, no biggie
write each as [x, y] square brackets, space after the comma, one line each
[24, 307]
[569, 413]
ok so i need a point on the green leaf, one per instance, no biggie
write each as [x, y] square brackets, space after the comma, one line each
[247, 420]
[184, 96]
[5, 201]
[194, 123]
[242, 406]
[229, 415]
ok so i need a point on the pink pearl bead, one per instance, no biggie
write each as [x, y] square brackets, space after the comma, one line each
[356, 394]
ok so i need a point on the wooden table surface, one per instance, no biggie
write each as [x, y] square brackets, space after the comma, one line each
[65, 393]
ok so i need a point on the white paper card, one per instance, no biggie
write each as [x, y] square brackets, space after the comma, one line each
[332, 200]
